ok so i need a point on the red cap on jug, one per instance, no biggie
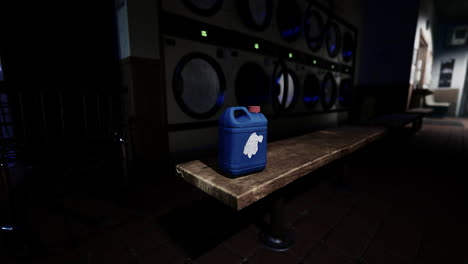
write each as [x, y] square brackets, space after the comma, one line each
[254, 108]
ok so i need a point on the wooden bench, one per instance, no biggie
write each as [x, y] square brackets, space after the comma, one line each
[287, 161]
[399, 120]
[420, 110]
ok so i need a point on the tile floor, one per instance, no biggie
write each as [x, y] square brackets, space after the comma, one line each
[405, 201]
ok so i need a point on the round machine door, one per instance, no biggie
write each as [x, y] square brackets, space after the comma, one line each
[251, 85]
[204, 7]
[311, 91]
[345, 95]
[328, 91]
[256, 14]
[332, 38]
[313, 29]
[285, 88]
[348, 47]
[199, 85]
[289, 20]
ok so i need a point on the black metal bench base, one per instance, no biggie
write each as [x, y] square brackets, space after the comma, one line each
[277, 236]
[277, 244]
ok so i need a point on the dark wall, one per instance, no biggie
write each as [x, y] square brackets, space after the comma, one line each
[67, 41]
[62, 82]
[388, 39]
[61, 75]
[386, 52]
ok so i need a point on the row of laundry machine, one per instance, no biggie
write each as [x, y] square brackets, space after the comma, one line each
[291, 57]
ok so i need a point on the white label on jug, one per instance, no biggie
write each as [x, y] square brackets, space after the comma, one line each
[251, 147]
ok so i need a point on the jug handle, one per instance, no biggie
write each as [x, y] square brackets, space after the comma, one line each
[239, 108]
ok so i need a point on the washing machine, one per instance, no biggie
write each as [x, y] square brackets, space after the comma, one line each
[340, 43]
[296, 24]
[307, 100]
[315, 21]
[348, 50]
[311, 91]
[286, 29]
[295, 89]
[197, 89]
[254, 82]
[302, 90]
[249, 17]
[307, 90]
[346, 92]
[197, 78]
[298, 88]
[347, 66]
[285, 89]
[340, 46]
[272, 53]
[202, 80]
[300, 25]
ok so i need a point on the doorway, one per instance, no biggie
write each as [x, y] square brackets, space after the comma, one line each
[419, 74]
[421, 62]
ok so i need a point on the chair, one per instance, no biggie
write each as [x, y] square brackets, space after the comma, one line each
[440, 108]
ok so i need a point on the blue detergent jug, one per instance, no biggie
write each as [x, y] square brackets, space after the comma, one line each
[242, 140]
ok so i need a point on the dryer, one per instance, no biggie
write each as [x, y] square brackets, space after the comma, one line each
[281, 22]
[348, 50]
[202, 80]
[254, 18]
[346, 92]
[305, 95]
[218, 54]
[197, 80]
[308, 90]
[290, 26]
[347, 61]
[315, 23]
[329, 90]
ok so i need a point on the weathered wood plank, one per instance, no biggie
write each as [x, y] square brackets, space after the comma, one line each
[287, 160]
[421, 110]
[396, 120]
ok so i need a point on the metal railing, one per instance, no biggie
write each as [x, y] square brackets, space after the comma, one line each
[51, 114]
[55, 121]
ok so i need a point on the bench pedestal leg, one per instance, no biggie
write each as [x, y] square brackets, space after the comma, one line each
[277, 237]
[417, 124]
[342, 178]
